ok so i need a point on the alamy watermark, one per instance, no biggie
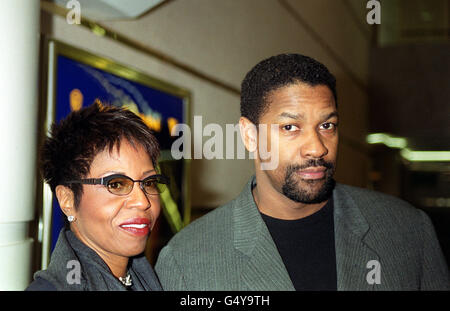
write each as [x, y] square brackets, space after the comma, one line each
[374, 275]
[74, 274]
[374, 15]
[74, 15]
[213, 147]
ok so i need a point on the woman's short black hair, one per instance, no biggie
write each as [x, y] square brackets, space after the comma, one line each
[73, 143]
[276, 72]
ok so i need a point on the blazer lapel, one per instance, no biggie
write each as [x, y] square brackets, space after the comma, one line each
[352, 250]
[262, 268]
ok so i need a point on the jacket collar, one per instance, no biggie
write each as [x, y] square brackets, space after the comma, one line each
[352, 242]
[75, 266]
[264, 268]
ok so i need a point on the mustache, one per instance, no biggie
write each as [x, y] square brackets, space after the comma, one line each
[311, 163]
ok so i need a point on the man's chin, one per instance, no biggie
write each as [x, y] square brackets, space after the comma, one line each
[313, 182]
[310, 191]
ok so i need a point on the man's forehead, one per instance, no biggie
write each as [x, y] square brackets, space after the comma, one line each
[301, 93]
[301, 89]
[301, 109]
[325, 114]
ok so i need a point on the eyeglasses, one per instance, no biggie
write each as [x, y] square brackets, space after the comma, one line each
[119, 184]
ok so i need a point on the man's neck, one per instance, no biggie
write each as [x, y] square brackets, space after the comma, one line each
[274, 204]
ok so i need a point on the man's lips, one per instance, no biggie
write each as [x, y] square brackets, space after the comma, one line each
[312, 173]
[136, 226]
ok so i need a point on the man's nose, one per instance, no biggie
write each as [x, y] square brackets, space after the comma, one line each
[313, 148]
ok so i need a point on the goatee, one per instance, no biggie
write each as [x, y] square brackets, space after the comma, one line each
[294, 191]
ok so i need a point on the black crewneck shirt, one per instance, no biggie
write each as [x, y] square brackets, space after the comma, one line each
[307, 248]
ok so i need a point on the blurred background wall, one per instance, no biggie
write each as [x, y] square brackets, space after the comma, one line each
[207, 47]
[409, 98]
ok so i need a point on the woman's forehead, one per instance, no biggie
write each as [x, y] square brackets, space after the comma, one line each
[122, 157]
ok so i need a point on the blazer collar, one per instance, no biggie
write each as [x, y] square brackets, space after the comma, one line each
[94, 273]
[248, 222]
[347, 214]
[263, 268]
[352, 242]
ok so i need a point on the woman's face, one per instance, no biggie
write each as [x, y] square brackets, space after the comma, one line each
[111, 224]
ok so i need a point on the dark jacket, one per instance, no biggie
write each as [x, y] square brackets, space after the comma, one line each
[231, 248]
[75, 266]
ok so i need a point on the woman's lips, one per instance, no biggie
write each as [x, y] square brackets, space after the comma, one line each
[312, 173]
[136, 226]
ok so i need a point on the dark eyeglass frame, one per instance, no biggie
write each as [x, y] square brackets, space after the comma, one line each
[105, 180]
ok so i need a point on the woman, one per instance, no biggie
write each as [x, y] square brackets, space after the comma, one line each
[100, 162]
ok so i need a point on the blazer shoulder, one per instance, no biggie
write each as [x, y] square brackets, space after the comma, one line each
[377, 205]
[214, 225]
[375, 197]
[40, 284]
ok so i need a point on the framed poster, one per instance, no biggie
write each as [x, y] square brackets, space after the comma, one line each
[75, 78]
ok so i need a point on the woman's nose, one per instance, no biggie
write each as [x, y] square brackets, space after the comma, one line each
[138, 198]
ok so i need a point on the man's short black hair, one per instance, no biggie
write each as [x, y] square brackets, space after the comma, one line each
[73, 143]
[276, 72]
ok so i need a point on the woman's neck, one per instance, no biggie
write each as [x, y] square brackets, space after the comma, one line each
[117, 264]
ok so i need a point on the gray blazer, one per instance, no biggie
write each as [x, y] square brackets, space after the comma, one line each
[94, 274]
[231, 248]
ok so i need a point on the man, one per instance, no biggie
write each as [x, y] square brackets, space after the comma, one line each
[293, 227]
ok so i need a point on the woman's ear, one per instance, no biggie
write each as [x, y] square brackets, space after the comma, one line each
[249, 134]
[66, 200]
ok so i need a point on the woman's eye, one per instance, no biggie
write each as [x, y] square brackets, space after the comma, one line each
[150, 183]
[116, 184]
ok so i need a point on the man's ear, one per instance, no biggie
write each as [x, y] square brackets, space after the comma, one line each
[249, 134]
[66, 200]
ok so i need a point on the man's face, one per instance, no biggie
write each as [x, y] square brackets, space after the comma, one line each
[307, 141]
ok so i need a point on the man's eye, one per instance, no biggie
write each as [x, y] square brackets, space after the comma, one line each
[290, 128]
[328, 126]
